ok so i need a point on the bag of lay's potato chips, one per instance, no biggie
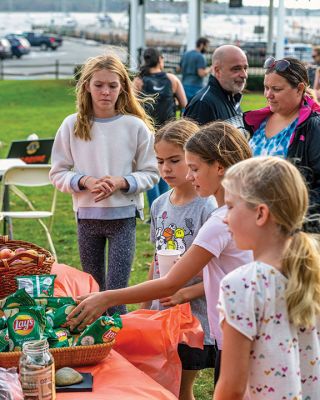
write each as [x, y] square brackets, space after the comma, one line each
[58, 318]
[37, 285]
[25, 325]
[4, 340]
[103, 330]
[54, 302]
[63, 338]
[3, 322]
[17, 299]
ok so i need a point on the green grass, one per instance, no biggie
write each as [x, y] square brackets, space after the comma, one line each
[40, 107]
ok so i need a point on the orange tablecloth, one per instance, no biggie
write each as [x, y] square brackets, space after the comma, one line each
[149, 339]
[117, 379]
[72, 282]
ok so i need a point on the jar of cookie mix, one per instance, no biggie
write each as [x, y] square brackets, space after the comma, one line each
[36, 370]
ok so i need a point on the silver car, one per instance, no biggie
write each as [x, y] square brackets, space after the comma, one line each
[5, 49]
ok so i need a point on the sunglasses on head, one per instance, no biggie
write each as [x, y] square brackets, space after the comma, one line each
[278, 65]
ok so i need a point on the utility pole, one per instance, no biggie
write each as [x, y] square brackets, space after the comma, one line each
[280, 30]
[270, 29]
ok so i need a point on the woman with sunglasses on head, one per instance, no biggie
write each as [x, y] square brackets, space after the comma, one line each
[289, 126]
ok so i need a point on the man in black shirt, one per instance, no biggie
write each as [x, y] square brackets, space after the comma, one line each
[220, 99]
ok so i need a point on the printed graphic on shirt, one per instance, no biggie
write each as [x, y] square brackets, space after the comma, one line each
[171, 236]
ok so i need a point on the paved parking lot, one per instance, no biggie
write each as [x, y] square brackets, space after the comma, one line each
[44, 64]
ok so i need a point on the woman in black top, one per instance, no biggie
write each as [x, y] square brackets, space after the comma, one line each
[167, 92]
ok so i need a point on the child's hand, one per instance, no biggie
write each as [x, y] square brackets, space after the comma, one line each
[91, 307]
[177, 298]
[107, 185]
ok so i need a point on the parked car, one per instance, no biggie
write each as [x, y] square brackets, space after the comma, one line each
[5, 49]
[19, 46]
[43, 40]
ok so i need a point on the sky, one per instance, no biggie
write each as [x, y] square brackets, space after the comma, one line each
[315, 4]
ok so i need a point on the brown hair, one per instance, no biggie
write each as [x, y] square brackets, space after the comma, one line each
[219, 141]
[295, 73]
[278, 184]
[127, 103]
[176, 132]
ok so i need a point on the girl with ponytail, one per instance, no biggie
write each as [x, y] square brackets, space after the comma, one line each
[270, 308]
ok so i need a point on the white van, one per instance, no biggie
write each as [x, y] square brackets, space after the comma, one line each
[301, 51]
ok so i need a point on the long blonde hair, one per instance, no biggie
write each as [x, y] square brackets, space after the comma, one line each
[278, 184]
[127, 102]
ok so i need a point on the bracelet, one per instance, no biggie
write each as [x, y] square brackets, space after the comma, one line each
[84, 181]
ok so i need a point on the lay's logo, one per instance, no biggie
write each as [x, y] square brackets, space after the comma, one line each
[62, 335]
[23, 325]
[108, 336]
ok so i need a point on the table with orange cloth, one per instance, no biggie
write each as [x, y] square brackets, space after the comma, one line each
[144, 363]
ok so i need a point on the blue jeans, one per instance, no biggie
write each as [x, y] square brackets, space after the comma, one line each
[155, 192]
[191, 90]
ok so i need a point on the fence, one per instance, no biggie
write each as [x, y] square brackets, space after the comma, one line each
[56, 70]
[59, 70]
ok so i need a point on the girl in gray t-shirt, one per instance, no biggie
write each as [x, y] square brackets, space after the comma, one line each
[176, 217]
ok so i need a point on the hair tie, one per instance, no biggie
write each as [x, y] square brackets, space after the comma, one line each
[295, 231]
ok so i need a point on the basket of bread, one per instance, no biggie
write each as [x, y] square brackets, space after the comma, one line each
[32, 313]
[21, 258]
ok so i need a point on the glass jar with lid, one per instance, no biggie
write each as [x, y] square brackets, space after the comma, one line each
[36, 370]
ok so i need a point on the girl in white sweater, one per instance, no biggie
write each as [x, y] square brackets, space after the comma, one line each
[104, 156]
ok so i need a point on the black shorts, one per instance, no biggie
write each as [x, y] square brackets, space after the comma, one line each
[193, 358]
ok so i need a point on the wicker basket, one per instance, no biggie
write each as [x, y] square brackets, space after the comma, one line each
[14, 266]
[65, 356]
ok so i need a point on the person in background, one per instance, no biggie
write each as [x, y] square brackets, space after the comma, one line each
[312, 68]
[209, 153]
[220, 99]
[176, 217]
[194, 68]
[167, 92]
[106, 188]
[289, 126]
[316, 85]
[270, 308]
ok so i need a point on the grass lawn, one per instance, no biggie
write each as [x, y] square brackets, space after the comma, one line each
[40, 107]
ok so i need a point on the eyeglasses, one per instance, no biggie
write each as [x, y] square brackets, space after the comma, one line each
[278, 65]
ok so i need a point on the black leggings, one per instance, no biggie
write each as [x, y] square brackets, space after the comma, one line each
[217, 364]
[121, 236]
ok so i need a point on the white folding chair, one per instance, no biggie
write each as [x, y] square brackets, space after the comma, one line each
[29, 175]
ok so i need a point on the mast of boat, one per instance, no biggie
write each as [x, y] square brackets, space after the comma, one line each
[103, 7]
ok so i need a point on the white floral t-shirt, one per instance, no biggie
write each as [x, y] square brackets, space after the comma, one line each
[284, 360]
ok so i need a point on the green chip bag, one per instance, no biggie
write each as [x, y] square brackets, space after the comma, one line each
[103, 330]
[17, 299]
[3, 322]
[4, 340]
[37, 285]
[63, 338]
[25, 325]
[54, 302]
[59, 316]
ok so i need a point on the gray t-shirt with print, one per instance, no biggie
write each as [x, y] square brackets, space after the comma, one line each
[175, 227]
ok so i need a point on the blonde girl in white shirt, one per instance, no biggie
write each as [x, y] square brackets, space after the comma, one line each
[269, 308]
[103, 155]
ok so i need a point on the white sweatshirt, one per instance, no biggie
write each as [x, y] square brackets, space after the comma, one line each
[120, 146]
